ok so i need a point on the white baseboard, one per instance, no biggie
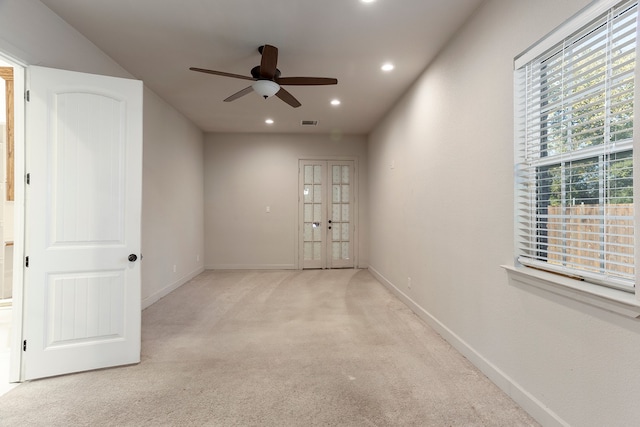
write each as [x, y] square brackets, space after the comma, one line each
[250, 267]
[146, 302]
[526, 400]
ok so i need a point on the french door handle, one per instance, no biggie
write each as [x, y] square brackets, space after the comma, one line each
[133, 257]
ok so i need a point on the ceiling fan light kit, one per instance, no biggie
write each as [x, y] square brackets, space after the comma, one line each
[267, 78]
[266, 88]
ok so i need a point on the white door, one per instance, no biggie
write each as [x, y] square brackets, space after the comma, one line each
[83, 206]
[327, 214]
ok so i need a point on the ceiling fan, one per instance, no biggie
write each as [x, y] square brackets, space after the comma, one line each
[267, 78]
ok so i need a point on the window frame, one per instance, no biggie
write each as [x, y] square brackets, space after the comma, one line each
[590, 290]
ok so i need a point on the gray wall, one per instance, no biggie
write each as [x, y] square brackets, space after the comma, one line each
[244, 173]
[172, 149]
[172, 200]
[448, 209]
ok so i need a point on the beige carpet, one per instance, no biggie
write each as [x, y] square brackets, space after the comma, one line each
[275, 348]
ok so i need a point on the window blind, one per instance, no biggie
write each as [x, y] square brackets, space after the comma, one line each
[574, 152]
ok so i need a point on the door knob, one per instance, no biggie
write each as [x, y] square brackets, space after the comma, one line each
[133, 257]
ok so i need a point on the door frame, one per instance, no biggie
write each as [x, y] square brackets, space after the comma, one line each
[356, 205]
[19, 126]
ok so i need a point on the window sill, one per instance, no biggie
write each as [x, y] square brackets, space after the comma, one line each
[613, 300]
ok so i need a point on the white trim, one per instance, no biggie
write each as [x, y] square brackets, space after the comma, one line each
[250, 267]
[19, 225]
[12, 60]
[573, 24]
[613, 300]
[156, 296]
[19, 82]
[526, 400]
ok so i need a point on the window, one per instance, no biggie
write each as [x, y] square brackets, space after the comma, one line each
[574, 149]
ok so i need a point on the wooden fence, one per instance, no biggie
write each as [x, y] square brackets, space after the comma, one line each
[581, 226]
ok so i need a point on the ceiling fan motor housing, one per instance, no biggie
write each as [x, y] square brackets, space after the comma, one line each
[255, 73]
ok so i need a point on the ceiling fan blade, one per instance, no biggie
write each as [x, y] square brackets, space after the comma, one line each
[221, 73]
[288, 98]
[306, 81]
[238, 94]
[268, 62]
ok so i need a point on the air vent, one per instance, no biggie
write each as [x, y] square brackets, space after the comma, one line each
[309, 123]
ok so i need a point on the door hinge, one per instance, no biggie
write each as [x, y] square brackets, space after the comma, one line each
[26, 261]
[27, 96]
[24, 345]
[28, 178]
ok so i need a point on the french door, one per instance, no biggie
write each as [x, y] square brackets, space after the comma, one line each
[327, 213]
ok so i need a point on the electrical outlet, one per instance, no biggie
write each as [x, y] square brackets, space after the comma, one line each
[197, 257]
[268, 209]
[409, 282]
[174, 268]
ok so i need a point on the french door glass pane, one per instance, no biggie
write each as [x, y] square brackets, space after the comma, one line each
[317, 174]
[308, 174]
[345, 212]
[345, 194]
[345, 174]
[335, 250]
[308, 251]
[336, 194]
[308, 193]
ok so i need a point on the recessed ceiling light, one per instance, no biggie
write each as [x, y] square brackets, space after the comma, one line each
[367, 1]
[269, 121]
[388, 66]
[335, 102]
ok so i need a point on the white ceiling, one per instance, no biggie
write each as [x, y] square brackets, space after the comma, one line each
[158, 40]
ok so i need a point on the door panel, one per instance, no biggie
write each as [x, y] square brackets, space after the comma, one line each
[88, 197]
[340, 222]
[83, 206]
[313, 239]
[326, 205]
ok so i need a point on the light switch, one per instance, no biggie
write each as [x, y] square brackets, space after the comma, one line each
[268, 209]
